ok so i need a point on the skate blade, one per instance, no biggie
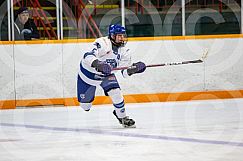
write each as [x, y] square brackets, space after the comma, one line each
[126, 126]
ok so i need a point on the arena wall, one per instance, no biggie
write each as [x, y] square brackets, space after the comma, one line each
[45, 72]
[7, 94]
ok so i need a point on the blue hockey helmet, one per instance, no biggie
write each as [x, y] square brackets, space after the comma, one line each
[115, 30]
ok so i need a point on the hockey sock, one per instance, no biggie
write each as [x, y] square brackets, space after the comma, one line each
[118, 102]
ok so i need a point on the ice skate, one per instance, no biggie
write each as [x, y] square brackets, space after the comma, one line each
[126, 122]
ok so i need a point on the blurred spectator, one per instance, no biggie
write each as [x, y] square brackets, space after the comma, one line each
[24, 27]
[4, 28]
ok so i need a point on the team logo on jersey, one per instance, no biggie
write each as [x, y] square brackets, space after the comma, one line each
[97, 44]
[112, 62]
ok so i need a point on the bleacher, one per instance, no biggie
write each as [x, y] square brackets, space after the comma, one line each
[82, 18]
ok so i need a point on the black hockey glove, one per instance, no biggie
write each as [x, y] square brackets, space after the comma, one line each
[138, 67]
[27, 34]
[102, 67]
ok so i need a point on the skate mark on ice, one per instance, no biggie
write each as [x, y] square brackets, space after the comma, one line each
[123, 134]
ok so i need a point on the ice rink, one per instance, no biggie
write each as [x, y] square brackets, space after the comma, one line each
[209, 130]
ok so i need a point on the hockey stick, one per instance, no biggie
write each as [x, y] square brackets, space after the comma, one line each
[170, 64]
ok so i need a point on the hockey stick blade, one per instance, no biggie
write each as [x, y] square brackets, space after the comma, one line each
[205, 54]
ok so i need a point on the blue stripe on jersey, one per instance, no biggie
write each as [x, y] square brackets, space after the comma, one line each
[90, 75]
[89, 53]
[119, 105]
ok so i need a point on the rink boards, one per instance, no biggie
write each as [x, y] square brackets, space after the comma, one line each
[45, 72]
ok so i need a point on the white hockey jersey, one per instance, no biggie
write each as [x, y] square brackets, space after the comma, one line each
[102, 50]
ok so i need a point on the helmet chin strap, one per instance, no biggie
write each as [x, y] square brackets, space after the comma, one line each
[115, 43]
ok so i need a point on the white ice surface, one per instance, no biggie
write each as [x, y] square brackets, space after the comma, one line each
[173, 131]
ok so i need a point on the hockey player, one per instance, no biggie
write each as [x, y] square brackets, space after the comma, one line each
[96, 70]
